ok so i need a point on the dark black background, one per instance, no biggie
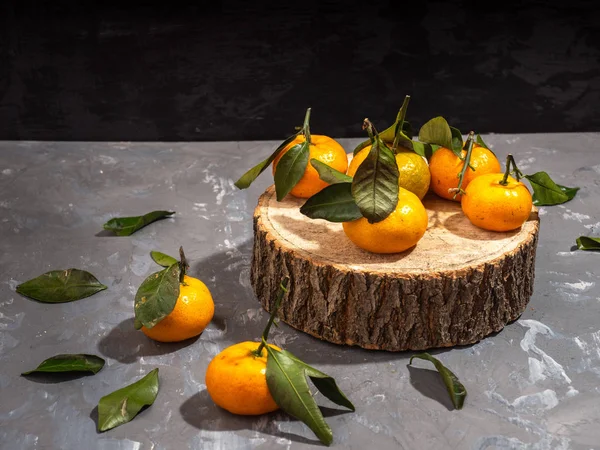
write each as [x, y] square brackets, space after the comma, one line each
[237, 70]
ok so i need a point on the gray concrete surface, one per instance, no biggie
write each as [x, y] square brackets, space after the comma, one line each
[534, 385]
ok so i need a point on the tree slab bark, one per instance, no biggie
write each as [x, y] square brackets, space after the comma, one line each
[457, 285]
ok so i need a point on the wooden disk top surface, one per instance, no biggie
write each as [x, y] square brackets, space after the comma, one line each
[451, 242]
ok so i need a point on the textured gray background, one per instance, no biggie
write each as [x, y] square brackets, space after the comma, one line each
[534, 385]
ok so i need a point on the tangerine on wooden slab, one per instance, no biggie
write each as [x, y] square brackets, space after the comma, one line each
[493, 206]
[413, 169]
[399, 231]
[445, 167]
[322, 148]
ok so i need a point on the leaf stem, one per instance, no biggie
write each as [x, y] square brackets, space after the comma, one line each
[265, 335]
[306, 127]
[467, 163]
[510, 161]
[372, 132]
[183, 265]
[400, 122]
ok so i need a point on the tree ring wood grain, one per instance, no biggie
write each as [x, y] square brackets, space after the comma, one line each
[457, 285]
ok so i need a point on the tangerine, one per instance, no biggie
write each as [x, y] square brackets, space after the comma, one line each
[236, 380]
[490, 205]
[322, 148]
[445, 168]
[413, 169]
[399, 231]
[192, 313]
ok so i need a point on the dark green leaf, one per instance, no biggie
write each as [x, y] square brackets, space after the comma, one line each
[546, 192]
[457, 141]
[60, 286]
[288, 385]
[588, 243]
[290, 169]
[420, 148]
[162, 259]
[333, 203]
[480, 141]
[156, 297]
[123, 405]
[246, 180]
[324, 383]
[387, 135]
[126, 226]
[375, 183]
[437, 131]
[455, 388]
[328, 174]
[69, 363]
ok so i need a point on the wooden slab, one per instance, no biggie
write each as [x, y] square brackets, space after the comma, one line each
[457, 285]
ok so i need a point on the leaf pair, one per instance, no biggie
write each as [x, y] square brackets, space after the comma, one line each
[126, 226]
[372, 192]
[287, 382]
[290, 167]
[437, 132]
[60, 286]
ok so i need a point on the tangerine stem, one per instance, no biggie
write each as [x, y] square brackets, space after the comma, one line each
[183, 265]
[467, 163]
[282, 291]
[400, 122]
[509, 160]
[306, 127]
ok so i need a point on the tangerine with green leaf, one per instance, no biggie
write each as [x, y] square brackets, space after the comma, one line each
[236, 381]
[445, 167]
[192, 313]
[171, 306]
[322, 148]
[496, 201]
[398, 232]
[413, 170]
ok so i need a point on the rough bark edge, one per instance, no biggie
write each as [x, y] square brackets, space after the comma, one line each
[393, 312]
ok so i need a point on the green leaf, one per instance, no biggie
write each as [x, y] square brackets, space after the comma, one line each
[328, 174]
[588, 243]
[290, 169]
[288, 385]
[420, 148]
[457, 141]
[162, 259]
[546, 192]
[437, 131]
[69, 363]
[126, 226]
[246, 180]
[455, 388]
[480, 141]
[156, 297]
[324, 383]
[388, 134]
[375, 183]
[123, 405]
[334, 203]
[60, 286]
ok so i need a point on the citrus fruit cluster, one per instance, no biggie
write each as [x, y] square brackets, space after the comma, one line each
[377, 192]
